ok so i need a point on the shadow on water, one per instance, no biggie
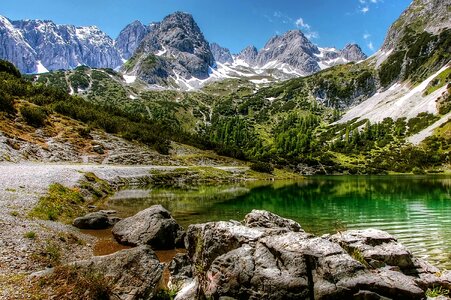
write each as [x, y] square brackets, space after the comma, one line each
[416, 209]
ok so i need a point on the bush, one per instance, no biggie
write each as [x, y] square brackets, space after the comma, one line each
[7, 67]
[6, 103]
[34, 116]
[262, 167]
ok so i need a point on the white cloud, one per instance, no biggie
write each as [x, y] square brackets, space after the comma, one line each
[312, 35]
[370, 46]
[366, 36]
[301, 24]
[365, 9]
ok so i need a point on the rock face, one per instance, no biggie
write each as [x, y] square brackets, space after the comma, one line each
[134, 273]
[268, 257]
[292, 49]
[175, 47]
[95, 220]
[153, 226]
[221, 54]
[248, 55]
[352, 52]
[130, 38]
[57, 46]
[421, 15]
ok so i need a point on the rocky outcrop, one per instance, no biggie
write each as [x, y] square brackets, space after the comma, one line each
[268, 257]
[153, 226]
[96, 220]
[130, 38]
[221, 54]
[130, 274]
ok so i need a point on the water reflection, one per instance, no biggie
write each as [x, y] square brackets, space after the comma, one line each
[417, 210]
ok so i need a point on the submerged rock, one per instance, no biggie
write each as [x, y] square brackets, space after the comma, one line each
[269, 257]
[153, 226]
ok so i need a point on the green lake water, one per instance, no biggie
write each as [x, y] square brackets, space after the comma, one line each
[415, 209]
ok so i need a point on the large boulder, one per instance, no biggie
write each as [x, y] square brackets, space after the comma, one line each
[153, 226]
[135, 273]
[269, 257]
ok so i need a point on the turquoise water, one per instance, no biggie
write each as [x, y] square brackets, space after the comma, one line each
[415, 209]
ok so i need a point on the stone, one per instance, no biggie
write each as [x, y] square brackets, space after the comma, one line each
[269, 257]
[95, 220]
[376, 246]
[98, 149]
[134, 273]
[265, 219]
[153, 226]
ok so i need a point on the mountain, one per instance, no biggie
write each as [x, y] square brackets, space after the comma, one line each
[286, 56]
[174, 50]
[130, 38]
[221, 54]
[248, 55]
[14, 47]
[44, 45]
[421, 16]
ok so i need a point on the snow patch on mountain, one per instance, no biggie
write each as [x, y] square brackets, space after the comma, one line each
[400, 100]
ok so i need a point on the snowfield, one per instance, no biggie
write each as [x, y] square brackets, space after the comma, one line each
[400, 100]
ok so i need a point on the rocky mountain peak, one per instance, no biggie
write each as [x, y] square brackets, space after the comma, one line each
[176, 47]
[248, 55]
[130, 38]
[221, 54]
[292, 49]
[353, 52]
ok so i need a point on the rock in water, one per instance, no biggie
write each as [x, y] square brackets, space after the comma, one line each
[134, 273]
[269, 257]
[153, 226]
[96, 220]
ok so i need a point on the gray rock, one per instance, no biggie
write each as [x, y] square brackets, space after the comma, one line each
[352, 52]
[98, 149]
[221, 54]
[134, 273]
[266, 219]
[130, 38]
[375, 246]
[153, 226]
[95, 220]
[269, 257]
[248, 55]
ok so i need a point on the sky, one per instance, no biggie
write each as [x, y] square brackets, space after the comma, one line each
[234, 24]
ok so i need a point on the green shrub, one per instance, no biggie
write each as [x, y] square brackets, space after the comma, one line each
[262, 167]
[30, 235]
[34, 116]
[7, 67]
[6, 103]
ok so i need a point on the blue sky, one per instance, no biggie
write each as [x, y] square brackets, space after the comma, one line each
[231, 23]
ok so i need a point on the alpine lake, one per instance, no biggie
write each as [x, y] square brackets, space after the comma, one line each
[415, 209]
